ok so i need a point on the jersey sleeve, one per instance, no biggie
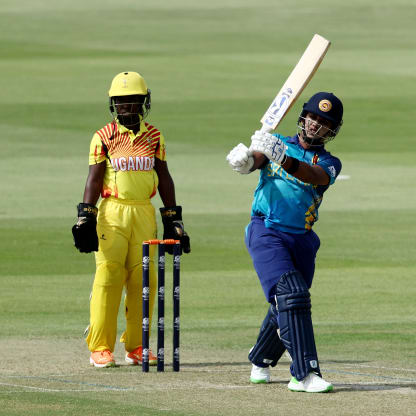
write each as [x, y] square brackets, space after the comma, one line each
[161, 148]
[97, 151]
[332, 166]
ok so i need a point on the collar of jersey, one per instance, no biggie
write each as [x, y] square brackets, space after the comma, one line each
[123, 129]
[294, 139]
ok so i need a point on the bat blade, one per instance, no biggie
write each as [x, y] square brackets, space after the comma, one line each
[296, 82]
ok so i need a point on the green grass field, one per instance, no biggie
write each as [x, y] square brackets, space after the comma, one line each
[213, 68]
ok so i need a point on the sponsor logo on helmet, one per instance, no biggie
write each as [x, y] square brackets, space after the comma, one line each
[325, 105]
[332, 171]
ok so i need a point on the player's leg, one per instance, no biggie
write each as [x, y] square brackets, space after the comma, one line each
[296, 333]
[271, 258]
[143, 228]
[267, 350]
[304, 248]
[108, 285]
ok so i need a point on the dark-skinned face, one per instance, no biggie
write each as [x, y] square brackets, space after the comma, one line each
[128, 109]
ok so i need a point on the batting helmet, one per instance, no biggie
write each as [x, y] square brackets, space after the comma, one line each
[130, 83]
[327, 106]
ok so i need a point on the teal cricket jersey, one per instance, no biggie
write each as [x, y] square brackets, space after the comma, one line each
[286, 203]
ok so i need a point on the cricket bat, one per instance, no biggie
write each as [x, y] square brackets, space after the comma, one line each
[296, 83]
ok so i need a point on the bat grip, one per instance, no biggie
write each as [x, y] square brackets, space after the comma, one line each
[266, 129]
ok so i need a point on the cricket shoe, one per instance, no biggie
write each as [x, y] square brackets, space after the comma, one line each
[102, 359]
[135, 357]
[310, 384]
[260, 375]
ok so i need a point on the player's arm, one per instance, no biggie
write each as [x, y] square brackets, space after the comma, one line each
[166, 185]
[274, 149]
[259, 161]
[94, 183]
[312, 174]
[173, 227]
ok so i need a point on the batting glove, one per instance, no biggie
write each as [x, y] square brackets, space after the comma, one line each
[240, 159]
[270, 146]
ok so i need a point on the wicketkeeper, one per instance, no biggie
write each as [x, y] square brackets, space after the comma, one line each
[127, 167]
[294, 174]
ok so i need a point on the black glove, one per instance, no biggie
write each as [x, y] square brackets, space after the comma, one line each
[85, 230]
[173, 228]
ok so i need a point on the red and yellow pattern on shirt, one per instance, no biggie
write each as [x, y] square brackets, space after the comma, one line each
[130, 160]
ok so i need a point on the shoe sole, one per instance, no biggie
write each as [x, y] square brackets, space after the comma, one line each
[259, 380]
[131, 361]
[106, 365]
[327, 390]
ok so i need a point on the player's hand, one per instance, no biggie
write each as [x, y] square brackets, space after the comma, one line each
[85, 230]
[270, 146]
[240, 159]
[173, 228]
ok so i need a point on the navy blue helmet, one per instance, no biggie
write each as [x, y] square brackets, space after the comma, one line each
[327, 106]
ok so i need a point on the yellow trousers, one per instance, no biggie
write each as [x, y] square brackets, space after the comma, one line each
[122, 226]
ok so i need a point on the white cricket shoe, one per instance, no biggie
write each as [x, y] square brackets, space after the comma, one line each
[310, 384]
[260, 375]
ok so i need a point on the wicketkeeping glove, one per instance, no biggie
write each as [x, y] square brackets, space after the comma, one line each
[271, 146]
[173, 228]
[85, 230]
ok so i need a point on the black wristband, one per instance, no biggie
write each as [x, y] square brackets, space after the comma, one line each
[87, 210]
[171, 213]
[294, 166]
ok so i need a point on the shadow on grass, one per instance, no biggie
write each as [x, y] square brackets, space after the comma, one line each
[347, 388]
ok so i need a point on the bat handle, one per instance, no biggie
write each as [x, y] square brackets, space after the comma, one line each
[266, 129]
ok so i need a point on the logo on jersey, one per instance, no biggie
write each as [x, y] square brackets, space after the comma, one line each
[133, 163]
[325, 105]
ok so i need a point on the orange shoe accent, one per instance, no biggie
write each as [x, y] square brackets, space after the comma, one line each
[102, 359]
[135, 357]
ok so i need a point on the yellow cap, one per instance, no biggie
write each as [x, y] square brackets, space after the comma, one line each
[128, 83]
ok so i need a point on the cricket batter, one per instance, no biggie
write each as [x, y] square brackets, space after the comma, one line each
[294, 174]
[127, 166]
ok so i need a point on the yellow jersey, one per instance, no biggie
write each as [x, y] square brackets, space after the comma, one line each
[130, 160]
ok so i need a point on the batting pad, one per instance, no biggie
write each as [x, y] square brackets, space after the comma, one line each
[269, 347]
[295, 321]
